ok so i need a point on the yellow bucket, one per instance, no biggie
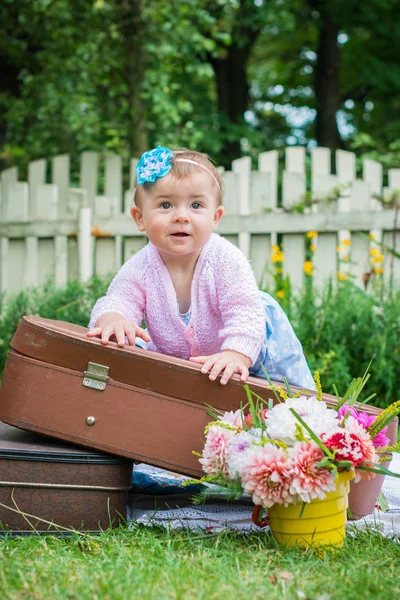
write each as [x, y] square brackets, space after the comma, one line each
[317, 523]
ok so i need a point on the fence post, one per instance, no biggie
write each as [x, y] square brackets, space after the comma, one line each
[268, 163]
[394, 179]
[31, 272]
[320, 166]
[132, 172]
[88, 178]
[60, 176]
[4, 280]
[113, 178]
[85, 244]
[8, 177]
[345, 166]
[61, 260]
[36, 177]
[242, 166]
[294, 176]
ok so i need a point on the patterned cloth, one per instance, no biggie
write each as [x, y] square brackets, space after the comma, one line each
[281, 354]
[221, 514]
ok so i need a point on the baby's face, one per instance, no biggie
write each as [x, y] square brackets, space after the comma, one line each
[179, 216]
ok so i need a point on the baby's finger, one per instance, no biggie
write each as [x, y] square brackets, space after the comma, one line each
[106, 333]
[142, 333]
[208, 364]
[130, 332]
[94, 332]
[216, 370]
[198, 359]
[230, 369]
[119, 332]
[244, 373]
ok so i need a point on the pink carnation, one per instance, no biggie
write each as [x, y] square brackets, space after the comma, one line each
[266, 476]
[216, 449]
[366, 421]
[309, 481]
[353, 443]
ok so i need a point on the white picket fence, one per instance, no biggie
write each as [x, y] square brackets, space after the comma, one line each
[55, 230]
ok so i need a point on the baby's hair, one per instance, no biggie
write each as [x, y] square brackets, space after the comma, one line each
[184, 163]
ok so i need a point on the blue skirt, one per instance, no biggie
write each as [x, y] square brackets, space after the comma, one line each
[282, 354]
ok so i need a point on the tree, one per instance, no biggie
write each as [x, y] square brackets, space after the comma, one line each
[132, 28]
[221, 76]
[327, 71]
[321, 63]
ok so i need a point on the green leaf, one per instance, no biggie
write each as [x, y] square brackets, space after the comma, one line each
[382, 502]
[379, 470]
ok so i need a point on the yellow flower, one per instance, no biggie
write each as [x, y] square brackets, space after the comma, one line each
[308, 267]
[275, 248]
[346, 242]
[277, 257]
[311, 234]
[378, 270]
[280, 294]
[341, 276]
[313, 248]
[345, 258]
[372, 236]
[339, 248]
[374, 252]
[377, 259]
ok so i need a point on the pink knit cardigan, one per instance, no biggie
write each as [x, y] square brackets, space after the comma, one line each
[226, 308]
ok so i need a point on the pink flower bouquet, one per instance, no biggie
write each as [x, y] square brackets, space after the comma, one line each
[292, 452]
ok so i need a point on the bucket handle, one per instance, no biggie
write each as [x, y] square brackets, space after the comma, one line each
[255, 516]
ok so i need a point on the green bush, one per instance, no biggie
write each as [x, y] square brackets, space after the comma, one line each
[71, 303]
[342, 328]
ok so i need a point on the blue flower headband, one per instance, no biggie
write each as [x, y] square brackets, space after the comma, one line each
[154, 163]
[157, 163]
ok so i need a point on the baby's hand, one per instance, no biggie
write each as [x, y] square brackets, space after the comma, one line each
[114, 324]
[228, 361]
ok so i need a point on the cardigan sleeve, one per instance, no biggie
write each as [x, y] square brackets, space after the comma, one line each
[126, 293]
[242, 311]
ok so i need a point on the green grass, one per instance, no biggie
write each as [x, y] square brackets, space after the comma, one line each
[156, 563]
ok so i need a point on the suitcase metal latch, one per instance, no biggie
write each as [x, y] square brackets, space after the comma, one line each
[96, 376]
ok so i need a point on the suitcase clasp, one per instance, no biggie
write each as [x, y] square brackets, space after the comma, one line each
[96, 376]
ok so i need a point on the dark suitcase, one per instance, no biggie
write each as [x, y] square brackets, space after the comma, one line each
[130, 402]
[60, 486]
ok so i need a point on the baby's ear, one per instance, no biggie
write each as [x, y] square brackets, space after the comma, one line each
[218, 215]
[138, 218]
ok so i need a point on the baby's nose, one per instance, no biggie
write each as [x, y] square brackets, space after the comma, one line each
[181, 215]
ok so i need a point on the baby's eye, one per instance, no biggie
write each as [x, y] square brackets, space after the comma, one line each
[196, 205]
[165, 205]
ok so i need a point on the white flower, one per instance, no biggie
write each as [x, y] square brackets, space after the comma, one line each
[281, 423]
[234, 419]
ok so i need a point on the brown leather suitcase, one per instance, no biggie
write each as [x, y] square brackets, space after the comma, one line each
[127, 401]
[60, 486]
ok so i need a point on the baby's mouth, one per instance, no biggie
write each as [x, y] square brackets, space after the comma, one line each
[180, 234]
